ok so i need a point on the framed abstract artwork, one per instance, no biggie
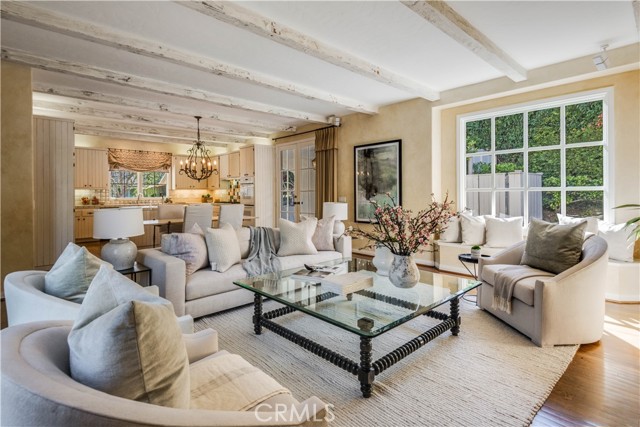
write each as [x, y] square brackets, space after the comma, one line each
[377, 172]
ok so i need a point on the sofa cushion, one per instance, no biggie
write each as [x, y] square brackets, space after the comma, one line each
[473, 229]
[453, 232]
[592, 222]
[523, 290]
[553, 247]
[223, 247]
[244, 240]
[295, 238]
[503, 232]
[205, 282]
[72, 273]
[189, 247]
[126, 342]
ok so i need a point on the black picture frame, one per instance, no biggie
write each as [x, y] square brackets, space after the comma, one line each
[377, 170]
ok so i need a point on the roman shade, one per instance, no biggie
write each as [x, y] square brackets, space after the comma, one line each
[139, 161]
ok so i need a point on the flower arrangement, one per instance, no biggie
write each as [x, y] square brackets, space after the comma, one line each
[402, 233]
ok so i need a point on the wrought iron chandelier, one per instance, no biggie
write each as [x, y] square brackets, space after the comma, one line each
[199, 165]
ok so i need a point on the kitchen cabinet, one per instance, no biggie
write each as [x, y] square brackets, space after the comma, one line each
[213, 183]
[91, 168]
[247, 166]
[224, 166]
[234, 164]
[83, 228]
[181, 181]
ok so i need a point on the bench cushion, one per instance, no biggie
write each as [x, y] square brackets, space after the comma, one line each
[523, 291]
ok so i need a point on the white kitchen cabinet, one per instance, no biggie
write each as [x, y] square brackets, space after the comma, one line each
[247, 165]
[181, 181]
[91, 168]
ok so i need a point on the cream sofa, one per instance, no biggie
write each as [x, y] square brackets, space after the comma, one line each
[206, 291]
[37, 389]
[564, 309]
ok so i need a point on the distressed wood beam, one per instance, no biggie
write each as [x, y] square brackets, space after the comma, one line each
[151, 85]
[114, 114]
[83, 130]
[86, 95]
[447, 20]
[245, 19]
[50, 21]
[156, 131]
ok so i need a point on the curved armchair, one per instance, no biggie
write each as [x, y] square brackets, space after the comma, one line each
[37, 389]
[567, 308]
[27, 301]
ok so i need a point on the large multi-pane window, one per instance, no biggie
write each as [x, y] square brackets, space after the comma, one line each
[130, 184]
[537, 160]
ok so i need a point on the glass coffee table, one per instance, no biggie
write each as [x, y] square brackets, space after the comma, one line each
[367, 313]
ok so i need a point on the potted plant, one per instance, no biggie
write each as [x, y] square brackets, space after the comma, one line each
[475, 251]
[206, 198]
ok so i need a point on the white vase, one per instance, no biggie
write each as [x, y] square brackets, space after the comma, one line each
[404, 272]
[475, 253]
[382, 260]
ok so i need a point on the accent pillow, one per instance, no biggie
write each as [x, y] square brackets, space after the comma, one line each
[620, 240]
[553, 247]
[503, 232]
[72, 273]
[189, 247]
[244, 240]
[126, 342]
[322, 237]
[592, 222]
[295, 238]
[223, 247]
[453, 232]
[473, 229]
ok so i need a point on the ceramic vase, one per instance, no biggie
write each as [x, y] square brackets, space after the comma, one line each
[382, 260]
[404, 272]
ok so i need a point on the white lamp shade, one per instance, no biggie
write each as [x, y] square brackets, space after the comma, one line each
[339, 210]
[117, 223]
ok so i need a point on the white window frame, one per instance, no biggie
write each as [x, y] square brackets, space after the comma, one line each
[604, 94]
[139, 186]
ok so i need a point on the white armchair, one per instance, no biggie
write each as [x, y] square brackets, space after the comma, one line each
[37, 389]
[27, 302]
[567, 308]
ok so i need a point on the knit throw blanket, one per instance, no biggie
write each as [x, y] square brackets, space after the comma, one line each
[262, 252]
[505, 282]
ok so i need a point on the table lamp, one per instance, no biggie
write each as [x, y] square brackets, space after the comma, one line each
[339, 211]
[118, 225]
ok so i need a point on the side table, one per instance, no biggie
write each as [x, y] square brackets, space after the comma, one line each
[468, 259]
[133, 272]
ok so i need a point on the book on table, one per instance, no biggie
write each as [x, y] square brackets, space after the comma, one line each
[316, 272]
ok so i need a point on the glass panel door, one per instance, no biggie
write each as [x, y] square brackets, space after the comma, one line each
[297, 180]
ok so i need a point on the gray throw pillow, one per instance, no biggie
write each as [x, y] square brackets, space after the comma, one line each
[189, 247]
[72, 273]
[126, 342]
[553, 247]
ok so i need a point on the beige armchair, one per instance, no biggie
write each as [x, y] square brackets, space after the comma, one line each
[37, 389]
[567, 308]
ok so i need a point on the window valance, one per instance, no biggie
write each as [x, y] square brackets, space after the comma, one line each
[139, 161]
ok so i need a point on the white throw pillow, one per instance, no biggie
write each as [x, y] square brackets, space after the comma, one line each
[503, 232]
[244, 240]
[189, 247]
[295, 238]
[620, 240]
[473, 229]
[323, 235]
[592, 222]
[223, 247]
[72, 273]
[453, 232]
[126, 342]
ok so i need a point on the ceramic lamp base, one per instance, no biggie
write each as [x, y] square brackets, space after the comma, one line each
[121, 253]
[338, 227]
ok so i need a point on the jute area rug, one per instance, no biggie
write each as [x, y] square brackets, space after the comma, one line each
[490, 375]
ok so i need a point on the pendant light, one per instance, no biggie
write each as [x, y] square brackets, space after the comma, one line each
[199, 165]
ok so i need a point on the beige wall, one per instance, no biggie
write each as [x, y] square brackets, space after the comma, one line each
[626, 133]
[16, 218]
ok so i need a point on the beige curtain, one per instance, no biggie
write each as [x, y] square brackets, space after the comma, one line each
[139, 161]
[326, 167]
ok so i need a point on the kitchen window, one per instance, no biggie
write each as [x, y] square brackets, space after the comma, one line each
[537, 160]
[130, 184]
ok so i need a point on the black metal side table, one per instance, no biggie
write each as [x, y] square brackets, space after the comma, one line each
[135, 270]
[468, 259]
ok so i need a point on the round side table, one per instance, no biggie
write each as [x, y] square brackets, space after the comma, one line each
[468, 259]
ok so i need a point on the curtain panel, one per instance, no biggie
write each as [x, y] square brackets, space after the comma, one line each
[326, 167]
[139, 161]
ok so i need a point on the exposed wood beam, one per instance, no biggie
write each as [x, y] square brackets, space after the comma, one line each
[41, 18]
[260, 25]
[85, 95]
[156, 131]
[447, 20]
[114, 114]
[151, 85]
[83, 130]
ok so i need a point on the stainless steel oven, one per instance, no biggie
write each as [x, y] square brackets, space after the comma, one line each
[247, 191]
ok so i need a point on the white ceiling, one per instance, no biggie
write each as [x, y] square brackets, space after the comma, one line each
[351, 56]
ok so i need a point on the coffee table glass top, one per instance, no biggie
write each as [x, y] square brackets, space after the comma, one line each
[369, 312]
